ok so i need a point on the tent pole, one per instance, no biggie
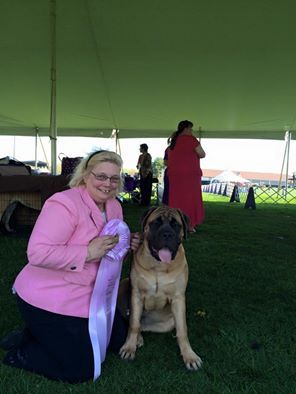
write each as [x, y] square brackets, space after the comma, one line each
[118, 149]
[43, 150]
[36, 147]
[53, 126]
[282, 169]
[288, 136]
[13, 152]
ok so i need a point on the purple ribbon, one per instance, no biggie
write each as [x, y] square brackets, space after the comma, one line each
[104, 296]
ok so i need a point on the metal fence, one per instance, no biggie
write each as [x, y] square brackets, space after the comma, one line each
[274, 195]
[262, 194]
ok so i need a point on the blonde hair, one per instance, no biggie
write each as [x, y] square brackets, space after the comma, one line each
[89, 162]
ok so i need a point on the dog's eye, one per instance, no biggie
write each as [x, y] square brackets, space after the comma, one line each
[175, 224]
[156, 224]
[158, 221]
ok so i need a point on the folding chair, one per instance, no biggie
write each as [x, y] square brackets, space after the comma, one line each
[130, 192]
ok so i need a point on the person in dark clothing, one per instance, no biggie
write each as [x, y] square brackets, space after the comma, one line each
[144, 166]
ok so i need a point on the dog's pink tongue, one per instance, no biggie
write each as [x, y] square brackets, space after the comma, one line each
[165, 255]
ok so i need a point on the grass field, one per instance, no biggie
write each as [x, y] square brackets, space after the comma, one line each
[241, 303]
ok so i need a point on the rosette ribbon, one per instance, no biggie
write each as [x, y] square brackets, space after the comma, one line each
[104, 296]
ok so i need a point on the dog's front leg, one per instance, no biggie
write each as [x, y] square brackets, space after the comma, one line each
[191, 359]
[128, 350]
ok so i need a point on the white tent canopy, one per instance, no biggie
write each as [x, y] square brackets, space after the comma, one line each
[87, 67]
[141, 67]
[228, 176]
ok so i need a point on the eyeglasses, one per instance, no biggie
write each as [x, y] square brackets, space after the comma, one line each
[103, 178]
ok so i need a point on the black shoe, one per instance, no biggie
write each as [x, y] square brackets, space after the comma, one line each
[15, 358]
[11, 340]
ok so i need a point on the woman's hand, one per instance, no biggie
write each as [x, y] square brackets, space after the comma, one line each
[135, 241]
[98, 247]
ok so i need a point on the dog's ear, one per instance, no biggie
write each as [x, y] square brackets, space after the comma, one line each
[185, 222]
[145, 217]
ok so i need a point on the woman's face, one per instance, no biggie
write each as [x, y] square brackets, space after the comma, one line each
[188, 130]
[103, 181]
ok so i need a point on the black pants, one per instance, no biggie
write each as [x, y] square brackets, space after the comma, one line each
[57, 346]
[146, 189]
[165, 196]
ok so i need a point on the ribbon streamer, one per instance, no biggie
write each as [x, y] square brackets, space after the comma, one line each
[104, 296]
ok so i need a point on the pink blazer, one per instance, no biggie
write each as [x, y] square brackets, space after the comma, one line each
[57, 278]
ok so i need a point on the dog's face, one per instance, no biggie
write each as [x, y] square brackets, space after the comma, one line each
[164, 229]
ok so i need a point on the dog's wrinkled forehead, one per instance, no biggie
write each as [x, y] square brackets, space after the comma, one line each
[165, 213]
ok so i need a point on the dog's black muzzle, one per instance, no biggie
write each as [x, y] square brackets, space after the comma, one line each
[163, 237]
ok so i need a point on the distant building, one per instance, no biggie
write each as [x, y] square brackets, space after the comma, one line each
[258, 178]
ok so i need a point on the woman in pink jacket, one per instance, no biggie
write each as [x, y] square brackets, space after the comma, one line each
[54, 289]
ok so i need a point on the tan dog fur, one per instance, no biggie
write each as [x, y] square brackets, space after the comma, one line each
[158, 294]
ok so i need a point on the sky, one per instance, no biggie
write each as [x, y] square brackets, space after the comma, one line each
[221, 154]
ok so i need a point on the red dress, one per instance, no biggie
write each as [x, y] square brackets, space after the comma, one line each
[185, 179]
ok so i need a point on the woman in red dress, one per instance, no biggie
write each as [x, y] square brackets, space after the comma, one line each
[185, 174]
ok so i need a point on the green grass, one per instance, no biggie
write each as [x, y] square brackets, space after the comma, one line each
[242, 275]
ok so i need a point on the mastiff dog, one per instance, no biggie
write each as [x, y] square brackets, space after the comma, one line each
[158, 280]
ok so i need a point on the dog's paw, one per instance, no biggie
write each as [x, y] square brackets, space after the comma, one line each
[192, 361]
[127, 352]
[140, 341]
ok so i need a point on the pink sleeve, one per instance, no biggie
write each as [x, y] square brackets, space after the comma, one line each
[114, 209]
[48, 245]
